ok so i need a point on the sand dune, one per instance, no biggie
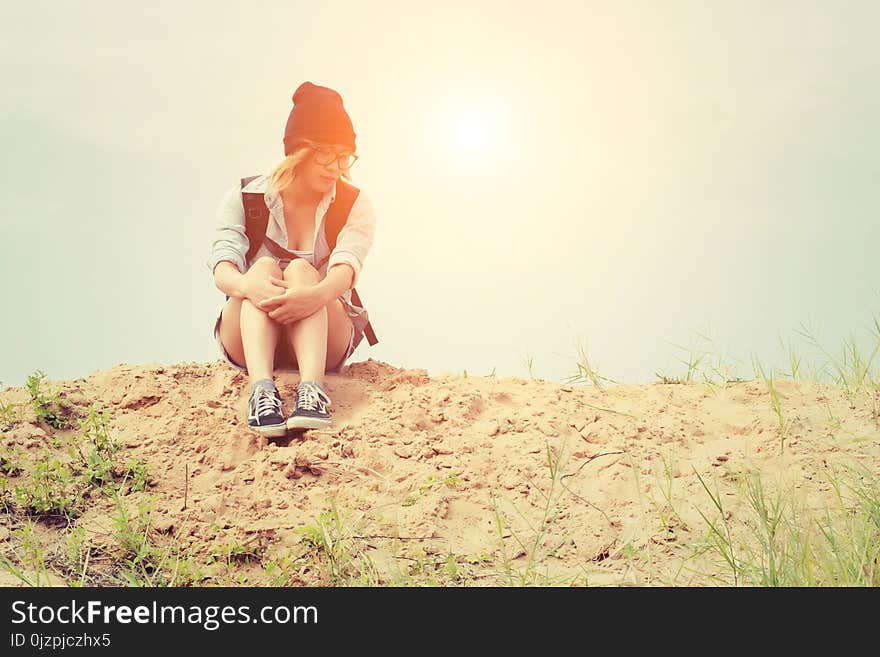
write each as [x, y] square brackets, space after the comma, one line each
[421, 468]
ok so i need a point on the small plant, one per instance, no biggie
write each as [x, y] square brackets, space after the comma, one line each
[534, 543]
[34, 555]
[10, 414]
[451, 567]
[100, 448]
[854, 372]
[79, 553]
[692, 363]
[47, 485]
[705, 361]
[137, 474]
[232, 553]
[48, 405]
[454, 481]
[776, 402]
[98, 453]
[586, 373]
[669, 516]
[132, 532]
[147, 564]
[720, 531]
[11, 461]
[278, 569]
[50, 488]
[780, 540]
[424, 488]
[331, 538]
[793, 360]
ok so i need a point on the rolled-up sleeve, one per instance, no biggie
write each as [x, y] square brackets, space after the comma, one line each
[230, 240]
[356, 237]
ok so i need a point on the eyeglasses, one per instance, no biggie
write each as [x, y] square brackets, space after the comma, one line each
[327, 156]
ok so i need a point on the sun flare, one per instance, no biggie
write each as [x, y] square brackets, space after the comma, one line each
[471, 132]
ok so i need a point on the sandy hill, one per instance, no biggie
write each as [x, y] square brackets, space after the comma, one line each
[453, 479]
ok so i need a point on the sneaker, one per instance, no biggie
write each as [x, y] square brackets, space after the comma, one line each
[264, 410]
[311, 407]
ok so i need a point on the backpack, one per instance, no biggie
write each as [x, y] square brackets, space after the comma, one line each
[256, 216]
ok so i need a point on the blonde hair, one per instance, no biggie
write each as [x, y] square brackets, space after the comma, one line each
[285, 172]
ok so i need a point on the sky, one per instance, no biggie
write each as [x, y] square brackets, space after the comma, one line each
[636, 182]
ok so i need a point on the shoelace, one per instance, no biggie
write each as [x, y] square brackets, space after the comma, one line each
[265, 402]
[310, 397]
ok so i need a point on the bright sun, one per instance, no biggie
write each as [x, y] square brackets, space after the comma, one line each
[469, 131]
[473, 133]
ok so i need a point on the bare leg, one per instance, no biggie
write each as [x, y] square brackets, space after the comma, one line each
[322, 339]
[308, 336]
[259, 332]
[337, 340]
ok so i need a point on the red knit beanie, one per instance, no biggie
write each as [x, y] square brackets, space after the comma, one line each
[317, 115]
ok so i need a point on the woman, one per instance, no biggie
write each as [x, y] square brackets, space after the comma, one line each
[289, 293]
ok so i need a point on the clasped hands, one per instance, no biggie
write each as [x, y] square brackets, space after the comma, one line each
[294, 303]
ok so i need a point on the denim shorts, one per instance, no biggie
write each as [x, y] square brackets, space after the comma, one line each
[282, 348]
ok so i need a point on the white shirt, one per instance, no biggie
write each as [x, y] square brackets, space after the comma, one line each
[231, 242]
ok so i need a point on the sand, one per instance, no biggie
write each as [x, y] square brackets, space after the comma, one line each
[453, 477]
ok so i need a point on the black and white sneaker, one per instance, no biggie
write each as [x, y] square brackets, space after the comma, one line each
[264, 410]
[311, 407]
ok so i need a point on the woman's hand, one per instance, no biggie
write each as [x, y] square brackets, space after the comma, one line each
[257, 288]
[296, 302]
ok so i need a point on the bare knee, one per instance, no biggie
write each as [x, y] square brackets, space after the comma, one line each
[301, 271]
[230, 330]
[268, 266]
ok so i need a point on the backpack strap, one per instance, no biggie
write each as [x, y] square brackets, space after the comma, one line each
[368, 329]
[334, 220]
[337, 214]
[256, 216]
